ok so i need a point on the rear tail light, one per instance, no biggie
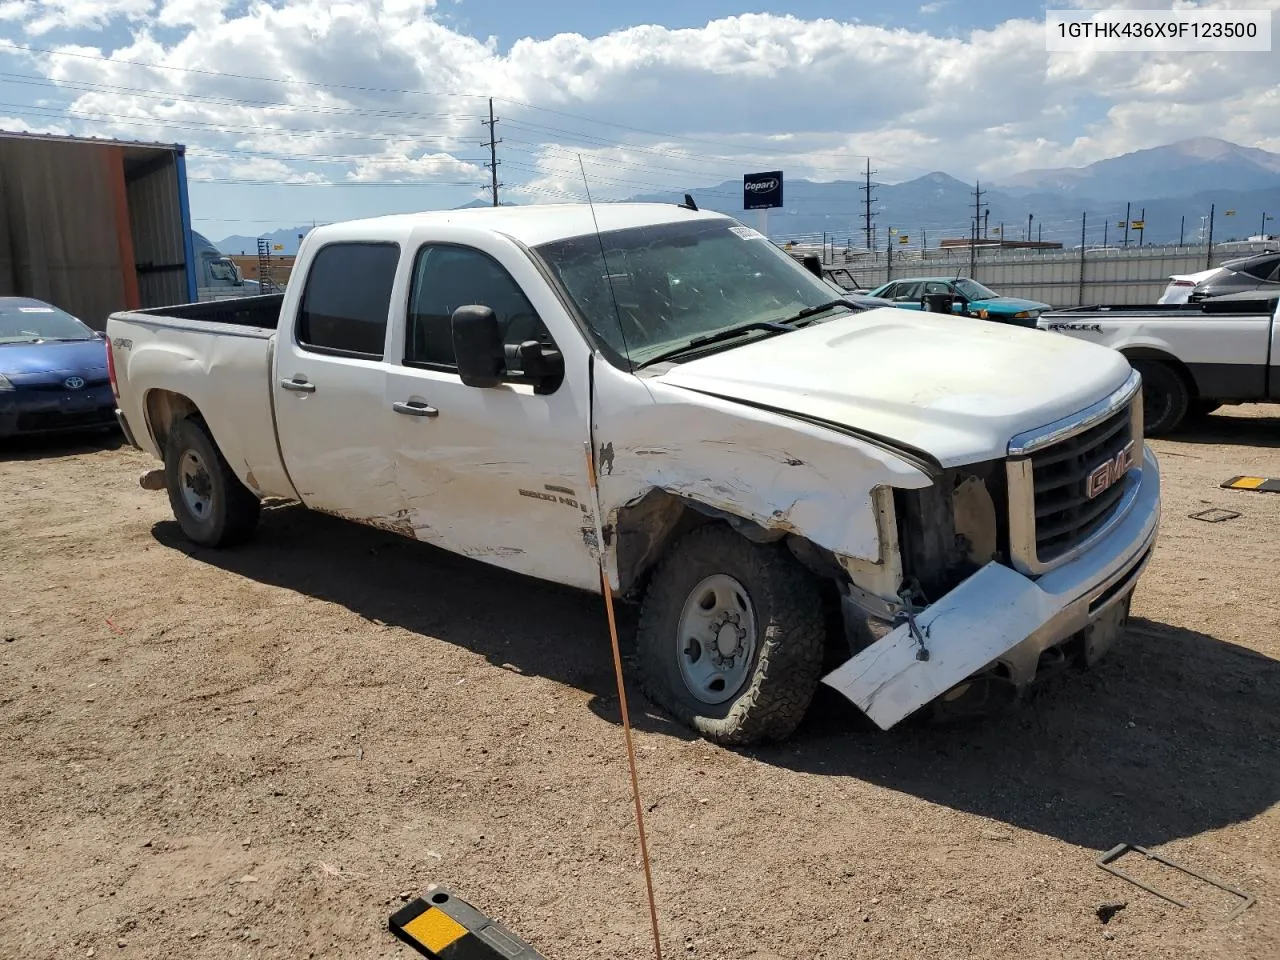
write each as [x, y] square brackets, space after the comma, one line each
[111, 370]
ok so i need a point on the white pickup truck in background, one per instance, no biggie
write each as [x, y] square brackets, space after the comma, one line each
[1193, 357]
[787, 481]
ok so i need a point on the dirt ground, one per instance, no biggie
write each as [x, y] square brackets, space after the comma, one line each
[263, 752]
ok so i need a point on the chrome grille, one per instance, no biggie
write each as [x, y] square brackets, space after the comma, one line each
[1065, 485]
[1065, 513]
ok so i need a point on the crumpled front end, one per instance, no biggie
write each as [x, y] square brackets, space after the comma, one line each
[1008, 565]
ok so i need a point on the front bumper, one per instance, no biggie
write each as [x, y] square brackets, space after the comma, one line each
[29, 412]
[1002, 620]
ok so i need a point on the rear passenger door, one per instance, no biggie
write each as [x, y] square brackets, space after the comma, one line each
[330, 384]
[495, 473]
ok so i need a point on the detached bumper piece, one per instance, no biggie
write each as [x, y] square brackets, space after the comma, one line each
[442, 927]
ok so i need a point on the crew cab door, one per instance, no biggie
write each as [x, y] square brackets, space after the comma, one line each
[329, 383]
[496, 473]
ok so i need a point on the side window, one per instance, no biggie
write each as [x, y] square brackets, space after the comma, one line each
[221, 270]
[448, 277]
[891, 291]
[936, 286]
[347, 298]
[909, 291]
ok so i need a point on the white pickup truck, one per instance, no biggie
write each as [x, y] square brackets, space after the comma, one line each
[1193, 357]
[914, 509]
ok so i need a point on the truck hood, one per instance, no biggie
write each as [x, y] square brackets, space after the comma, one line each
[54, 358]
[955, 388]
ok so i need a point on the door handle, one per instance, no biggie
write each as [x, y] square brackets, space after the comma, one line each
[414, 408]
[298, 386]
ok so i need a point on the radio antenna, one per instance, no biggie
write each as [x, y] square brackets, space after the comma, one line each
[606, 590]
[604, 259]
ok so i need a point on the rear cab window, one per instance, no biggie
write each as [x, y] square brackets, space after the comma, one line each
[347, 299]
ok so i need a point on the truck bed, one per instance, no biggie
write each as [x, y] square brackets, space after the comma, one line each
[1232, 305]
[260, 313]
[217, 356]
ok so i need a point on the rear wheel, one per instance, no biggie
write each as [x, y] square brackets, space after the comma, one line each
[732, 637]
[1165, 397]
[211, 505]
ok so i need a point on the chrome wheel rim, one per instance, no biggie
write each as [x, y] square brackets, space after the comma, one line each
[196, 485]
[716, 639]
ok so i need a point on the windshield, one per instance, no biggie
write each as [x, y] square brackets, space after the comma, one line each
[974, 290]
[30, 321]
[677, 281]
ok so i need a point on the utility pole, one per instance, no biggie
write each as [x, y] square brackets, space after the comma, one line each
[986, 222]
[888, 252]
[1208, 257]
[973, 250]
[1126, 224]
[1030, 217]
[1182, 229]
[1262, 230]
[977, 209]
[1142, 231]
[871, 240]
[1084, 219]
[492, 124]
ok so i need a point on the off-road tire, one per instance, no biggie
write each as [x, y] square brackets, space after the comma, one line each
[234, 508]
[788, 661]
[1165, 397]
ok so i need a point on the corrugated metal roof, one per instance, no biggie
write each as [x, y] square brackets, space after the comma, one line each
[100, 141]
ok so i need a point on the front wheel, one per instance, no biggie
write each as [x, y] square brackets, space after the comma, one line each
[732, 637]
[209, 502]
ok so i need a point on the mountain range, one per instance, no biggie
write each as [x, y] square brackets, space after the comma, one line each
[1170, 188]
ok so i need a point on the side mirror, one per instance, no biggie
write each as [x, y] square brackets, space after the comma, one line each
[813, 264]
[477, 346]
[535, 363]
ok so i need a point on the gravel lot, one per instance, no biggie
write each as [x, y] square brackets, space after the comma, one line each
[261, 752]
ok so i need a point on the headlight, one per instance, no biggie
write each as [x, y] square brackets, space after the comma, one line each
[1023, 315]
[5, 384]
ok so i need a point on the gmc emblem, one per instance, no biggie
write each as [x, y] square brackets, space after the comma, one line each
[1105, 474]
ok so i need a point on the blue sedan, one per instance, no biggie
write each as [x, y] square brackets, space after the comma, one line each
[970, 299]
[53, 371]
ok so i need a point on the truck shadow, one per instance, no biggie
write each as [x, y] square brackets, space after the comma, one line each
[540, 629]
[1175, 733]
[1224, 428]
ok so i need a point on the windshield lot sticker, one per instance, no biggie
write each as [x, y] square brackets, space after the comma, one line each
[746, 233]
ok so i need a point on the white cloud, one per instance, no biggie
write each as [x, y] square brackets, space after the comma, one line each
[95, 14]
[435, 166]
[390, 92]
[19, 125]
[931, 8]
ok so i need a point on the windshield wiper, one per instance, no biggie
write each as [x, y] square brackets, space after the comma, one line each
[810, 311]
[783, 325]
[708, 339]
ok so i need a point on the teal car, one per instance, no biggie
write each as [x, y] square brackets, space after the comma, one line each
[971, 299]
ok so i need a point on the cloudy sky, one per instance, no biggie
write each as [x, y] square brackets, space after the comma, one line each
[302, 110]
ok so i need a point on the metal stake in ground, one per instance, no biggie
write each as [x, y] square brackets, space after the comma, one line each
[622, 697]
